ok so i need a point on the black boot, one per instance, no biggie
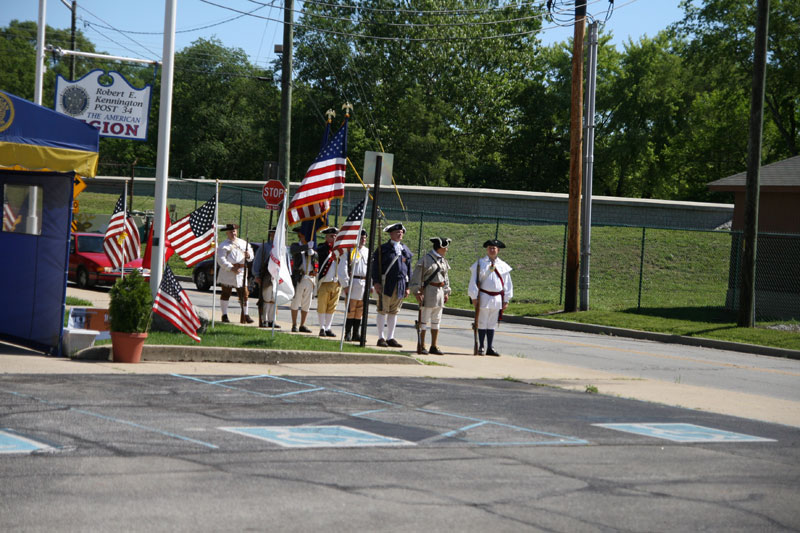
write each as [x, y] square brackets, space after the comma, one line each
[348, 327]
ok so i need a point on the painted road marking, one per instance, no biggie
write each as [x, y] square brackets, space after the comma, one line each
[677, 432]
[317, 436]
[12, 443]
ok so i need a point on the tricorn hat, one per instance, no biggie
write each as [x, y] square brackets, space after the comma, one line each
[298, 229]
[494, 242]
[363, 233]
[440, 242]
[230, 227]
[394, 227]
[331, 230]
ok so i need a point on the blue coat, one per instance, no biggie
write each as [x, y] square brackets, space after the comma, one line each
[398, 276]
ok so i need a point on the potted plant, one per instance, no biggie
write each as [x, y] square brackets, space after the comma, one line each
[129, 313]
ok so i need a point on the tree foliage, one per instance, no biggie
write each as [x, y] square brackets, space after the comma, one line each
[464, 94]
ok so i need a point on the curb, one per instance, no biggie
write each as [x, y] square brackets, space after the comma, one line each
[218, 354]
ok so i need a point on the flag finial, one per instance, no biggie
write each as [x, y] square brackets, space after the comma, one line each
[330, 113]
[347, 107]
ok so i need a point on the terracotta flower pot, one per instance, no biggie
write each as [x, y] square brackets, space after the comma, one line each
[127, 347]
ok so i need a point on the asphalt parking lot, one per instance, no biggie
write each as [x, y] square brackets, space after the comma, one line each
[188, 452]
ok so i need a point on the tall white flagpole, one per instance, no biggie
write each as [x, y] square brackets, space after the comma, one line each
[37, 86]
[162, 155]
[214, 264]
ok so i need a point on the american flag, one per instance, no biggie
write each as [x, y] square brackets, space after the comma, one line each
[121, 243]
[324, 179]
[308, 212]
[192, 237]
[173, 304]
[349, 232]
[10, 220]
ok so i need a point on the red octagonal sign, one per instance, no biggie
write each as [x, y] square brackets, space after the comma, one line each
[273, 194]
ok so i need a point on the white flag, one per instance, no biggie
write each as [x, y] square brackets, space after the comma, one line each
[278, 264]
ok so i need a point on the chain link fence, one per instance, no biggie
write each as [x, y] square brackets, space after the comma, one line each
[673, 272]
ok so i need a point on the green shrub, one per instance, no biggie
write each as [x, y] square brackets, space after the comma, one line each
[131, 307]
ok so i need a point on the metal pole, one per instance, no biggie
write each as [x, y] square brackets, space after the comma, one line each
[162, 156]
[284, 150]
[575, 167]
[372, 223]
[72, 42]
[37, 86]
[588, 165]
[748, 299]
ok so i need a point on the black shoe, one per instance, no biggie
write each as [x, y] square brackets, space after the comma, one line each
[491, 351]
[382, 343]
[322, 333]
[480, 351]
[225, 319]
[294, 329]
[246, 319]
[329, 333]
[347, 336]
[304, 329]
[421, 350]
[435, 351]
[393, 343]
[262, 324]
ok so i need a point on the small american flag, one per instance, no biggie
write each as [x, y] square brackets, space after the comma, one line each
[324, 179]
[173, 304]
[192, 237]
[349, 232]
[121, 242]
[10, 220]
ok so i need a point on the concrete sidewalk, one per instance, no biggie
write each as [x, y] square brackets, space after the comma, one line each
[456, 364]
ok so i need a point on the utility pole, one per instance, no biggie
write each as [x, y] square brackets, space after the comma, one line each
[575, 162]
[748, 289]
[74, 7]
[284, 150]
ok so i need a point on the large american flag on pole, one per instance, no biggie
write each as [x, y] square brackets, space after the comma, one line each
[348, 235]
[174, 305]
[122, 242]
[192, 237]
[323, 181]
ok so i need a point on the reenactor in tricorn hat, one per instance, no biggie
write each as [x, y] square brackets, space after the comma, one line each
[232, 255]
[430, 284]
[328, 288]
[304, 277]
[490, 289]
[391, 271]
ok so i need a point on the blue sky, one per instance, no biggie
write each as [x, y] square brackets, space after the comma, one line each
[110, 23]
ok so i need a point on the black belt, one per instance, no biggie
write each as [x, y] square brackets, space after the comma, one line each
[359, 277]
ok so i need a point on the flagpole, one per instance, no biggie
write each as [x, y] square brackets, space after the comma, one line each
[124, 225]
[214, 264]
[353, 270]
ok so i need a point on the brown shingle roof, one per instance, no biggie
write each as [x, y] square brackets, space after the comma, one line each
[782, 174]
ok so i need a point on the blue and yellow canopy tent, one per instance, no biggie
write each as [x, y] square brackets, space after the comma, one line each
[41, 153]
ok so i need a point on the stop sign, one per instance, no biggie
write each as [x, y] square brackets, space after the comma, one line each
[273, 194]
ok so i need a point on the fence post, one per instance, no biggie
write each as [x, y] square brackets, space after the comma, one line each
[419, 244]
[196, 192]
[641, 270]
[497, 228]
[563, 265]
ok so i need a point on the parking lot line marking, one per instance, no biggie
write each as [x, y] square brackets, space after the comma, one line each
[146, 428]
[292, 393]
[461, 430]
[684, 433]
[317, 436]
[12, 442]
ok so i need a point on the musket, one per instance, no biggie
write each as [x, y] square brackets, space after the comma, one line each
[246, 285]
[419, 325]
[477, 304]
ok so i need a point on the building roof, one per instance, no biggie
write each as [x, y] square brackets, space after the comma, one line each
[783, 174]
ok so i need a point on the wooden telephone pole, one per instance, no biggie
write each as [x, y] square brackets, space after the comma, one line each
[575, 163]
